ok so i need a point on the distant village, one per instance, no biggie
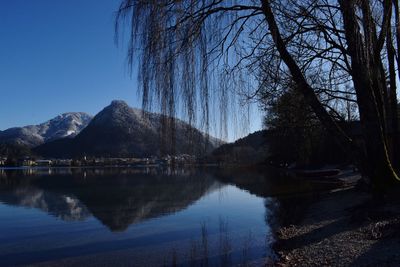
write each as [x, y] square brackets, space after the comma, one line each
[90, 161]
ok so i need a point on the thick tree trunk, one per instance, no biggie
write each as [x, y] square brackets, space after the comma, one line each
[365, 79]
[369, 52]
[393, 99]
[397, 19]
[395, 109]
[374, 159]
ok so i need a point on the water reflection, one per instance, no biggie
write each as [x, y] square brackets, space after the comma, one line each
[143, 217]
[116, 197]
[120, 197]
[286, 198]
[271, 182]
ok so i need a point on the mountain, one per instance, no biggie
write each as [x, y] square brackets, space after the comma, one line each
[251, 149]
[64, 125]
[121, 131]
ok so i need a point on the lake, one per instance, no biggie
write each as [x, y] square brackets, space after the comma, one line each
[138, 217]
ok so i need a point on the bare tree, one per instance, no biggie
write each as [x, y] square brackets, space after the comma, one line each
[195, 51]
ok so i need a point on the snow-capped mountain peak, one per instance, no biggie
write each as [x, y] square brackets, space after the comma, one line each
[65, 125]
[121, 131]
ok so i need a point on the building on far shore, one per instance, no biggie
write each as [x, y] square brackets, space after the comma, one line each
[27, 162]
[85, 161]
[44, 162]
[62, 162]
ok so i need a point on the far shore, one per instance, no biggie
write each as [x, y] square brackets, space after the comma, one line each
[104, 166]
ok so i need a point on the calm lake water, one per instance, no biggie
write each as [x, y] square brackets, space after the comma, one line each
[136, 217]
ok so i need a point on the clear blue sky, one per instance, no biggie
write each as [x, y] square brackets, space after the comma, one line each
[60, 56]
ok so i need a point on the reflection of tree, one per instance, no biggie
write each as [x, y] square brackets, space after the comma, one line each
[286, 197]
[273, 182]
[266, 183]
[116, 198]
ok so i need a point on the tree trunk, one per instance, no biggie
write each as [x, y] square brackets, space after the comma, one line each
[397, 19]
[365, 78]
[393, 99]
[374, 159]
[301, 82]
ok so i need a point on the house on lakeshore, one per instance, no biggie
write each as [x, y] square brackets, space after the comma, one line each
[44, 162]
[27, 162]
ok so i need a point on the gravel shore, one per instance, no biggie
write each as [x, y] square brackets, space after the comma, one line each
[343, 228]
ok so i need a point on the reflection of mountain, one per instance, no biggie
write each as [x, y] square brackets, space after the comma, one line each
[116, 198]
[65, 207]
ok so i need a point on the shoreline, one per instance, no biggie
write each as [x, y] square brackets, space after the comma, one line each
[343, 228]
